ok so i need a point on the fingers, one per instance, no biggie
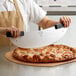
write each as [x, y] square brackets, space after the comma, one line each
[14, 31]
[65, 20]
[18, 32]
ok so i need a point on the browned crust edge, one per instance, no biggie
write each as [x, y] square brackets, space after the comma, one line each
[36, 58]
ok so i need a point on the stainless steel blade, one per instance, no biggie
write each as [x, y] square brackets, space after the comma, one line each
[41, 38]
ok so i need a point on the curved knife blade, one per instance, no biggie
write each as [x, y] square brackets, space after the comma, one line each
[41, 38]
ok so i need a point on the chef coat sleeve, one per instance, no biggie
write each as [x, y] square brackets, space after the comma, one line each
[36, 13]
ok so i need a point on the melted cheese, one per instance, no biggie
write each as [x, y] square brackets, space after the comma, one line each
[58, 52]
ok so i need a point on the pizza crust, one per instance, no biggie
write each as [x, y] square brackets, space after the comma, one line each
[51, 53]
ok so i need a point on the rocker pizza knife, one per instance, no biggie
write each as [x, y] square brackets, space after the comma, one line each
[36, 39]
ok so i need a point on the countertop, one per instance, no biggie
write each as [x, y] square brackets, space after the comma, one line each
[58, 10]
[8, 68]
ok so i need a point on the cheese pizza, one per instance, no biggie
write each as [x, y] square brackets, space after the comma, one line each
[50, 53]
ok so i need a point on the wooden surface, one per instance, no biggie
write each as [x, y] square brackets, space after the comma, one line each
[9, 56]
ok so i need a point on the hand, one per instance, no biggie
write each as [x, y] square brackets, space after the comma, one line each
[65, 20]
[14, 31]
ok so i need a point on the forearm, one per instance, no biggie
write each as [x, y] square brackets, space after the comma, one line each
[46, 23]
[50, 23]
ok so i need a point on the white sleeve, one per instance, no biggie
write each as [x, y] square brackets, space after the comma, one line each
[36, 13]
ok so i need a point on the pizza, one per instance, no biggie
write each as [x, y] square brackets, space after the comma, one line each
[50, 53]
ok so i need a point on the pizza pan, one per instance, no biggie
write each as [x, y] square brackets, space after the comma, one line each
[40, 38]
[9, 56]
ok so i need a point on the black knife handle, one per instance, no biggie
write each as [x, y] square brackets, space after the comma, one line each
[60, 25]
[8, 34]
